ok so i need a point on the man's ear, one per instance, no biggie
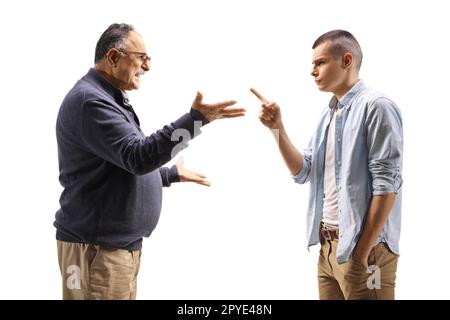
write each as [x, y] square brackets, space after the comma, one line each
[112, 57]
[347, 60]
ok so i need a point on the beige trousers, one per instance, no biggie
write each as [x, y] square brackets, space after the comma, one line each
[97, 272]
[351, 280]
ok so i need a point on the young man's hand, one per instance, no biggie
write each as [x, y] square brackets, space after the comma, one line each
[270, 114]
[361, 255]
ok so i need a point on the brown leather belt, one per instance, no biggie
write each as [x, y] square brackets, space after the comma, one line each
[329, 234]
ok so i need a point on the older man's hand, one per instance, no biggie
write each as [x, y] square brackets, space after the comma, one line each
[190, 176]
[218, 110]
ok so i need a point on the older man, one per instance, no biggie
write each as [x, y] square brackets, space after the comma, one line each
[111, 171]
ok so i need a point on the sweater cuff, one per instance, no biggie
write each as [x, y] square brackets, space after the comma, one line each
[198, 116]
[169, 175]
[191, 123]
[173, 174]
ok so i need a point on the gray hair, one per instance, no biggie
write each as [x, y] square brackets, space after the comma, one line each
[342, 42]
[113, 37]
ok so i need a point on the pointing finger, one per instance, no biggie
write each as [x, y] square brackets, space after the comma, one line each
[259, 96]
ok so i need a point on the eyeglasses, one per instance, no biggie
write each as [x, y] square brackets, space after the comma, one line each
[141, 55]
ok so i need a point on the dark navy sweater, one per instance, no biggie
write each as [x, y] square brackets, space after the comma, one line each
[110, 171]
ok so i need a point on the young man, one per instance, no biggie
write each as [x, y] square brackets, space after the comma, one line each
[354, 164]
[111, 172]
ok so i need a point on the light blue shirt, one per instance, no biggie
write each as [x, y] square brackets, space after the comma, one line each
[368, 162]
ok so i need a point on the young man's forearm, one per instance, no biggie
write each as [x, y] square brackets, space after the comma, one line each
[377, 216]
[291, 156]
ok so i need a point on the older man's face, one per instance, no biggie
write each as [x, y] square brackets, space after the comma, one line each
[132, 64]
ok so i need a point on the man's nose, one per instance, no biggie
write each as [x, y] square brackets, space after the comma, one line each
[146, 65]
[314, 72]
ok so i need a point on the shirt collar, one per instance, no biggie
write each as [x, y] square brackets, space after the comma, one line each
[347, 99]
[125, 98]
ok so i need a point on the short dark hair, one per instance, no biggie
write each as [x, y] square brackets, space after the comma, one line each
[342, 42]
[113, 37]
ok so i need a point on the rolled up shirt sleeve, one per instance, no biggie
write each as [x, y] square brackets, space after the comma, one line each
[304, 173]
[385, 146]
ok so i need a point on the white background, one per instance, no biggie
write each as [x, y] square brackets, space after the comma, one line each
[244, 237]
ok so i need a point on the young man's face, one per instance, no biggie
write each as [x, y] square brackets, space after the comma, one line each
[131, 64]
[328, 72]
